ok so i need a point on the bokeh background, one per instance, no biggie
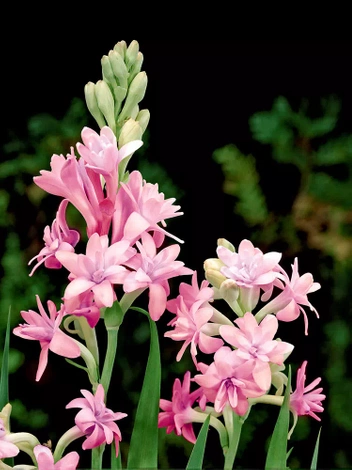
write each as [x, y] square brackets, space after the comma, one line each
[254, 139]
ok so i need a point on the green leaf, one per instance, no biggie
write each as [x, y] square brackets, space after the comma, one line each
[277, 452]
[195, 461]
[313, 465]
[143, 451]
[4, 377]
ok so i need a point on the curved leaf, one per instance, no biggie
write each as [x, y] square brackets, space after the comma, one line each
[195, 461]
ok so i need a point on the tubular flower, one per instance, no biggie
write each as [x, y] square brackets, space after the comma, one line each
[305, 400]
[60, 237]
[152, 270]
[256, 342]
[140, 207]
[46, 330]
[96, 421]
[98, 270]
[178, 413]
[45, 459]
[251, 270]
[101, 155]
[229, 379]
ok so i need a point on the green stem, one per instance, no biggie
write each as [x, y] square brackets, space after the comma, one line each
[109, 358]
[233, 424]
[66, 439]
[90, 338]
[97, 457]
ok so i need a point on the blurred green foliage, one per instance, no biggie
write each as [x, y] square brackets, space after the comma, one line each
[317, 219]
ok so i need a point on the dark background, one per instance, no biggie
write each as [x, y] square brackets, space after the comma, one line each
[201, 94]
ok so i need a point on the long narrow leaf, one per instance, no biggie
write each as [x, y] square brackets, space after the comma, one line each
[143, 451]
[277, 453]
[314, 463]
[195, 461]
[4, 377]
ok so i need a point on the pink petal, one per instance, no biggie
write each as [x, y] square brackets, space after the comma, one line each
[157, 301]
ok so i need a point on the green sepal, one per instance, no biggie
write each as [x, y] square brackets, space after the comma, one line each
[195, 461]
[113, 316]
[143, 451]
[277, 453]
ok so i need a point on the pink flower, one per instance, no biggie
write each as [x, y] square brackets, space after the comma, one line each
[188, 328]
[85, 307]
[46, 330]
[305, 400]
[288, 304]
[7, 448]
[98, 270]
[71, 179]
[250, 269]
[229, 379]
[152, 270]
[256, 342]
[191, 293]
[60, 237]
[45, 459]
[178, 413]
[95, 420]
[101, 154]
[140, 207]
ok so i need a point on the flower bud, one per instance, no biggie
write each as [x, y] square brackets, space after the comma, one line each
[131, 54]
[105, 102]
[121, 48]
[226, 244]
[131, 130]
[214, 277]
[213, 263]
[135, 94]
[143, 118]
[118, 68]
[136, 67]
[108, 74]
[229, 291]
[92, 104]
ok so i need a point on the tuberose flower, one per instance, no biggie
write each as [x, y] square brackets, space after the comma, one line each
[257, 342]
[45, 459]
[95, 420]
[46, 330]
[7, 448]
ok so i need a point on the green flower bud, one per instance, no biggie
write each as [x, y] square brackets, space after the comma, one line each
[106, 103]
[131, 54]
[92, 104]
[214, 277]
[229, 291]
[119, 68]
[130, 131]
[108, 74]
[121, 48]
[143, 118]
[136, 67]
[135, 94]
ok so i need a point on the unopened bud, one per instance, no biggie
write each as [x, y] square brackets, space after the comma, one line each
[106, 103]
[131, 54]
[136, 67]
[143, 118]
[130, 131]
[214, 277]
[121, 48]
[135, 94]
[213, 263]
[229, 291]
[225, 243]
[119, 68]
[92, 104]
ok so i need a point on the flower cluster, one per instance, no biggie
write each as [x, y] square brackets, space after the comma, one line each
[246, 359]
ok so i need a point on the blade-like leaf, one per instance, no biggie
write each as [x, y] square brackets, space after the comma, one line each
[277, 452]
[143, 451]
[4, 377]
[195, 461]
[314, 463]
[116, 463]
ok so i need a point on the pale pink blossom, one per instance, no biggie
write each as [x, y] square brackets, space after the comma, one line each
[85, 306]
[98, 270]
[152, 270]
[140, 207]
[101, 154]
[191, 293]
[188, 328]
[46, 329]
[178, 413]
[95, 420]
[251, 270]
[70, 179]
[306, 399]
[257, 342]
[59, 237]
[229, 380]
[45, 459]
[7, 448]
[288, 304]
